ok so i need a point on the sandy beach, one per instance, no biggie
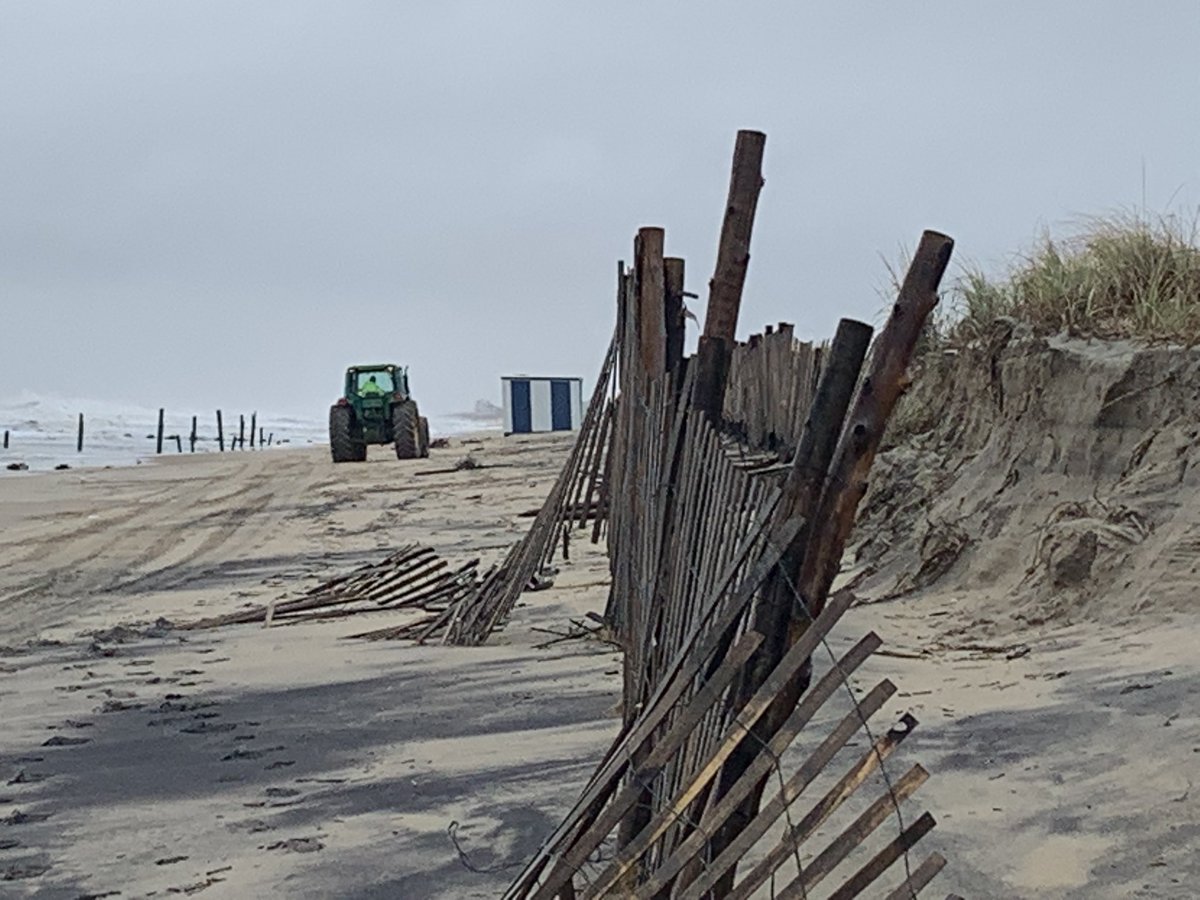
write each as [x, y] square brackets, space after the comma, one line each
[139, 760]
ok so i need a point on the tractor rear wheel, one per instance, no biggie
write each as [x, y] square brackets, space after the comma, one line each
[344, 442]
[406, 428]
[424, 430]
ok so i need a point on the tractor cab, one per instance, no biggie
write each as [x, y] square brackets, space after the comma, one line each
[373, 381]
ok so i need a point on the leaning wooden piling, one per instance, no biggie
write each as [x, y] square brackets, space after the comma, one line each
[220, 433]
[253, 427]
[729, 277]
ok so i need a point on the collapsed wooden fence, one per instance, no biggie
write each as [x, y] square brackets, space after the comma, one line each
[726, 484]
[731, 479]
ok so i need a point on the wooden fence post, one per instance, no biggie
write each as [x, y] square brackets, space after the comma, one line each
[178, 443]
[729, 276]
[253, 427]
[79, 439]
[159, 437]
[262, 437]
[220, 433]
[192, 436]
[651, 316]
[673, 311]
[5, 438]
[241, 439]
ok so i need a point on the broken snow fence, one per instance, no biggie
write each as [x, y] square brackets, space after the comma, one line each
[748, 764]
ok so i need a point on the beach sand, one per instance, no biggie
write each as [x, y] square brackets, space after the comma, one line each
[290, 762]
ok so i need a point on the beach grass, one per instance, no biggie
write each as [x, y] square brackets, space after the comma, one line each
[1124, 275]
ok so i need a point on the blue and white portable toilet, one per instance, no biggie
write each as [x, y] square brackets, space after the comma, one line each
[534, 405]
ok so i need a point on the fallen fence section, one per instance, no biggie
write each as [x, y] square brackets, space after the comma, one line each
[413, 577]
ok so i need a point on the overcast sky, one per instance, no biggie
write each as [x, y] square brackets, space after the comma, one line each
[209, 203]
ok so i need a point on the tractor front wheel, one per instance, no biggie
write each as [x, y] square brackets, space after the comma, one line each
[345, 440]
[406, 428]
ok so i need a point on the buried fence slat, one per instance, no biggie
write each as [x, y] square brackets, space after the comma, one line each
[920, 877]
[850, 838]
[829, 804]
[903, 842]
[792, 788]
[718, 812]
[803, 713]
[671, 740]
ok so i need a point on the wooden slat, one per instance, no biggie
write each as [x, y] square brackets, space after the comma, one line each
[803, 714]
[663, 749]
[920, 878]
[813, 819]
[809, 770]
[852, 836]
[865, 877]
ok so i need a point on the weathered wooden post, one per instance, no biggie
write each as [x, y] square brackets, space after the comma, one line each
[729, 276]
[220, 433]
[159, 437]
[262, 437]
[652, 321]
[79, 439]
[673, 311]
[241, 440]
[270, 438]
[253, 427]
[192, 436]
[5, 438]
[178, 442]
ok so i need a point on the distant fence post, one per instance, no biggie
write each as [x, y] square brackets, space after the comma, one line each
[270, 438]
[241, 441]
[79, 440]
[192, 436]
[253, 427]
[220, 433]
[262, 437]
[178, 443]
[159, 440]
[5, 438]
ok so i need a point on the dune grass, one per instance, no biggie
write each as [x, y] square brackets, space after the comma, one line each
[1126, 275]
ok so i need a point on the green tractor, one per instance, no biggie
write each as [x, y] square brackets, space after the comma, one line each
[376, 407]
